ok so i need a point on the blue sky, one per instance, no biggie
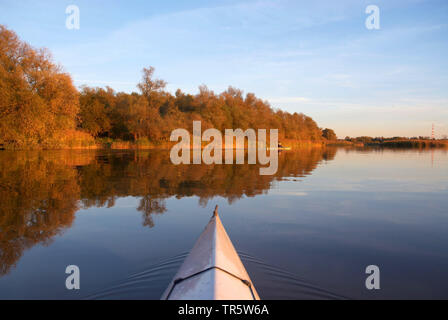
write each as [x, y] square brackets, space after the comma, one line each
[315, 57]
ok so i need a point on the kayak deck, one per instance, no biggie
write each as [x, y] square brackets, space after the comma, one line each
[213, 270]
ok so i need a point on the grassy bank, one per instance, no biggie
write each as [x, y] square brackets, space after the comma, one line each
[80, 140]
[146, 144]
[66, 139]
[344, 143]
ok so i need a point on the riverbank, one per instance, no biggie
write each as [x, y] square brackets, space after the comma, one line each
[403, 143]
[78, 140]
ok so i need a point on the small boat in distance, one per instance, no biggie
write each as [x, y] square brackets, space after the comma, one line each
[279, 147]
[212, 270]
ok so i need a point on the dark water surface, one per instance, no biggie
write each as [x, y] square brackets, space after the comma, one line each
[128, 219]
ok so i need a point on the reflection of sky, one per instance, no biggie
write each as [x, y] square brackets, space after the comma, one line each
[386, 171]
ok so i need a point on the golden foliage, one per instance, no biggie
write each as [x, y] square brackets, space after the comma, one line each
[37, 99]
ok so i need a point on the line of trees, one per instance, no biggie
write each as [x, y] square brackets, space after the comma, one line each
[153, 113]
[40, 106]
[367, 139]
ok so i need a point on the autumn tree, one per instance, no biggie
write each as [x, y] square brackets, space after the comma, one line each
[96, 106]
[38, 101]
[149, 86]
[329, 134]
[152, 90]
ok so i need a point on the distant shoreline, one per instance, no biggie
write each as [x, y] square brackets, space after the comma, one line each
[399, 143]
[102, 144]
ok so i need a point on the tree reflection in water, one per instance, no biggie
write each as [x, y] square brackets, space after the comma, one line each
[41, 191]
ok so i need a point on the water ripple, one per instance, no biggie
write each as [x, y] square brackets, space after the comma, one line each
[273, 283]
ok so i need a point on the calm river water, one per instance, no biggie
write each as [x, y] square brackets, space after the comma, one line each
[128, 219]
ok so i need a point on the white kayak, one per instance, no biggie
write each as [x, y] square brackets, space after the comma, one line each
[213, 270]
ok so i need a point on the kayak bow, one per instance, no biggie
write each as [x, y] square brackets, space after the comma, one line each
[213, 270]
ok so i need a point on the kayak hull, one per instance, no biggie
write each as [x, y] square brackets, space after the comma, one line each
[212, 270]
